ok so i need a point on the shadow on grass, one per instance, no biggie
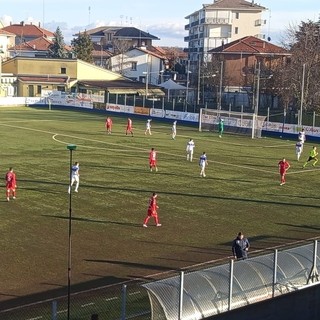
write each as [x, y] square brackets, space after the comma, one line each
[58, 293]
[82, 219]
[207, 196]
[302, 226]
[131, 264]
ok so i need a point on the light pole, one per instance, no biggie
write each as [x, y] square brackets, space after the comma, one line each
[0, 71]
[220, 85]
[256, 106]
[147, 73]
[187, 90]
[302, 94]
[71, 148]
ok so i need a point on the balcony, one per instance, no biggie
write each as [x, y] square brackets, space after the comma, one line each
[217, 21]
[187, 26]
[260, 22]
[195, 23]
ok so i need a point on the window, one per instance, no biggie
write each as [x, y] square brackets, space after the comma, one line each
[61, 88]
[63, 70]
[133, 66]
[237, 15]
[236, 30]
[38, 89]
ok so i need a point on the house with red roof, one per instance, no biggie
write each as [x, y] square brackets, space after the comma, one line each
[241, 59]
[28, 32]
[36, 48]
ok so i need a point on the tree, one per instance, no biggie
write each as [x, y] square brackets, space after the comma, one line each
[83, 47]
[58, 47]
[303, 42]
[121, 47]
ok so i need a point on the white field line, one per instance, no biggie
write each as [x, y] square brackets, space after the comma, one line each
[87, 304]
[54, 135]
[112, 298]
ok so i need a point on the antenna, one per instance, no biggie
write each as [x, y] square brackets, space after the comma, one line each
[121, 17]
[42, 13]
[89, 9]
[269, 22]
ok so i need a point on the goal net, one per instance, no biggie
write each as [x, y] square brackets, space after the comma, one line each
[236, 122]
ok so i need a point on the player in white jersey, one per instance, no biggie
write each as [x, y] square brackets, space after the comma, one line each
[174, 129]
[299, 146]
[189, 149]
[74, 177]
[203, 162]
[148, 127]
[302, 137]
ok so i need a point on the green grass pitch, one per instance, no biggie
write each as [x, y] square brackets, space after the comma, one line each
[199, 216]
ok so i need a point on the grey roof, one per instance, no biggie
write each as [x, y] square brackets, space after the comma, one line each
[134, 33]
[234, 4]
[231, 5]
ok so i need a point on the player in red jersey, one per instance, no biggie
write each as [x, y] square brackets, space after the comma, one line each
[108, 125]
[152, 211]
[283, 168]
[11, 184]
[153, 159]
[129, 127]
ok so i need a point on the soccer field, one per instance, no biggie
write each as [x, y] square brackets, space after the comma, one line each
[199, 216]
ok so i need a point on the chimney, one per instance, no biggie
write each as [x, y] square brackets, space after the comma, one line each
[22, 23]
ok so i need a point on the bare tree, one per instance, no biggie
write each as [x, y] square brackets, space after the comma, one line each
[120, 48]
[298, 78]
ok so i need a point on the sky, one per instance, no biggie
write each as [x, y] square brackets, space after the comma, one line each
[164, 19]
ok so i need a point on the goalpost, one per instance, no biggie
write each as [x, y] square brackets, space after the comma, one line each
[236, 122]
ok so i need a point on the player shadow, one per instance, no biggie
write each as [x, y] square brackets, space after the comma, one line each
[302, 226]
[286, 196]
[41, 182]
[256, 157]
[131, 264]
[194, 195]
[260, 166]
[82, 219]
[154, 243]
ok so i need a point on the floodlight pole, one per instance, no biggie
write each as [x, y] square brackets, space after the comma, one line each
[70, 147]
[187, 91]
[220, 85]
[302, 94]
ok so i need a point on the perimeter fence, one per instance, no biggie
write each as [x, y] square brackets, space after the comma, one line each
[191, 294]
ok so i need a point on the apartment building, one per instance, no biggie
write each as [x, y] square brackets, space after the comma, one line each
[222, 22]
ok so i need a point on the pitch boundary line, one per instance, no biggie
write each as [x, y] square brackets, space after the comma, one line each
[54, 134]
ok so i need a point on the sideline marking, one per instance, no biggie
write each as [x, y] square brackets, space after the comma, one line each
[54, 134]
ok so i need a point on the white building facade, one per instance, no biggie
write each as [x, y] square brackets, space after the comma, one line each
[221, 22]
[140, 65]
